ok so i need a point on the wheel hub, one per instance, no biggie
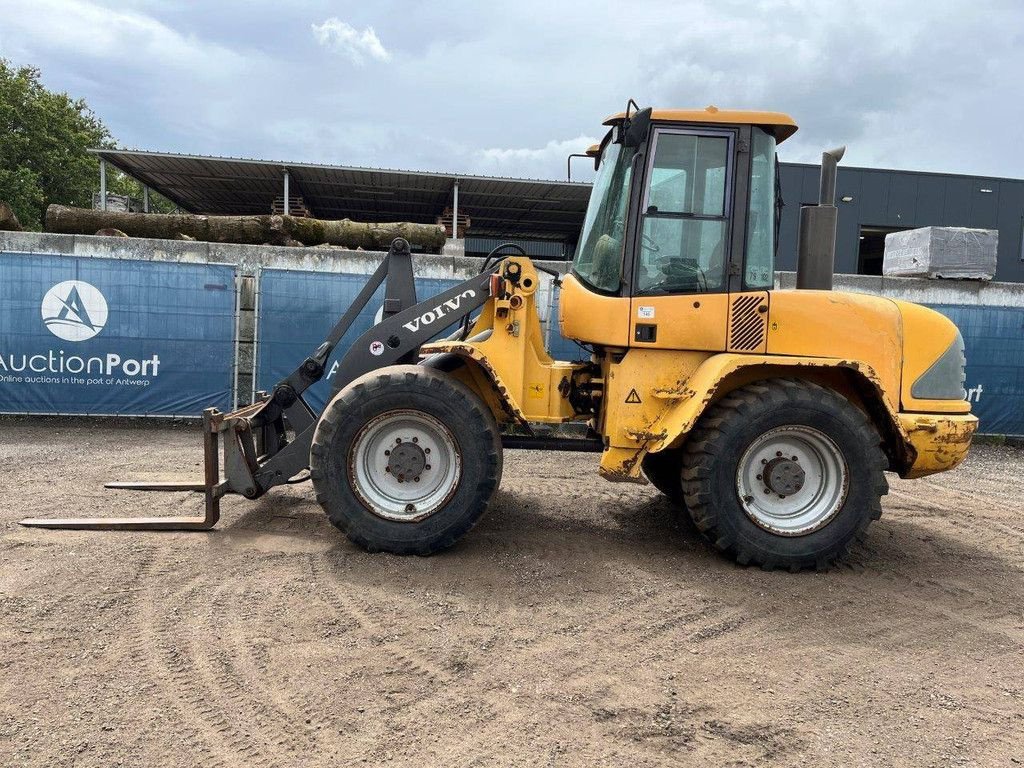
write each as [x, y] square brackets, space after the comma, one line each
[404, 465]
[792, 480]
[406, 461]
[784, 476]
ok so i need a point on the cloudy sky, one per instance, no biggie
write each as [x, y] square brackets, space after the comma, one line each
[510, 88]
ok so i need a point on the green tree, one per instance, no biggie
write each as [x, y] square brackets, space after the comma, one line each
[43, 141]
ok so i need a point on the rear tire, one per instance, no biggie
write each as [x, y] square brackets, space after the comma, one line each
[405, 459]
[784, 474]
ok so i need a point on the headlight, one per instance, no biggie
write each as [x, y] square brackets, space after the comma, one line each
[944, 380]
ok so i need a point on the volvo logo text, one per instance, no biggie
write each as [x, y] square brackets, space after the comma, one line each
[431, 316]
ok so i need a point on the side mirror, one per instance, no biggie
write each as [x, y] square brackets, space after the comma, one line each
[637, 128]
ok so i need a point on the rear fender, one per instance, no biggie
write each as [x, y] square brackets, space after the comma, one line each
[720, 374]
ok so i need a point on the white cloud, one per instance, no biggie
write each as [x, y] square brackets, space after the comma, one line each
[349, 41]
[93, 31]
[547, 162]
[913, 85]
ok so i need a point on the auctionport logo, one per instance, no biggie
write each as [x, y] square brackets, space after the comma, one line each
[74, 310]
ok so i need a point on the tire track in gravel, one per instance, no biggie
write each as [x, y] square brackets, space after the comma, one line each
[279, 718]
[166, 671]
[963, 511]
[482, 726]
[182, 635]
[340, 598]
[665, 610]
[927, 603]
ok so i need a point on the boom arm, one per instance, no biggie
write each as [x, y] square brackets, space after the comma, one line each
[394, 340]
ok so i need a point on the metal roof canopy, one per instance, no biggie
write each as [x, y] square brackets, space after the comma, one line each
[497, 207]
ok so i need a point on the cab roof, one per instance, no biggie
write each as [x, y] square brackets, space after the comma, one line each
[782, 125]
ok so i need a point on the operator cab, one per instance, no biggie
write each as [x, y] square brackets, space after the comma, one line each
[685, 202]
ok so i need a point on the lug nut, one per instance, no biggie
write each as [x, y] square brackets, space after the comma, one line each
[415, 439]
[778, 453]
[764, 461]
[410, 507]
[416, 479]
[795, 459]
[387, 453]
[427, 467]
[398, 440]
[758, 477]
[426, 450]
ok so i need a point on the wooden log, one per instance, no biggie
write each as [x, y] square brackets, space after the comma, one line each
[8, 220]
[246, 230]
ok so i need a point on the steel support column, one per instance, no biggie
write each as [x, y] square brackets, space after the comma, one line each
[103, 184]
[287, 206]
[455, 210]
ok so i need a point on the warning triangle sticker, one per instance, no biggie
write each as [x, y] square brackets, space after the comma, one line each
[633, 397]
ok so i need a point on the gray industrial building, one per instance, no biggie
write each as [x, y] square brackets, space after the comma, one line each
[546, 216]
[873, 202]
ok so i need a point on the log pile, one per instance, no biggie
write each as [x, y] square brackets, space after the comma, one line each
[245, 230]
[8, 220]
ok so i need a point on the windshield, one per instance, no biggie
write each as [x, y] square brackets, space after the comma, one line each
[598, 260]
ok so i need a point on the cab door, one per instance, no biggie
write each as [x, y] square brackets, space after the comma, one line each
[683, 238]
[755, 230]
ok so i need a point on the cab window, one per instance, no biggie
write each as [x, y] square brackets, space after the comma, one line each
[684, 222]
[762, 223]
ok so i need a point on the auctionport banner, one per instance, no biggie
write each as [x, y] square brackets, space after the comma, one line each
[994, 345]
[111, 336]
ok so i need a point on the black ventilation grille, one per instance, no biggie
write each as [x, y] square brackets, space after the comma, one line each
[747, 326]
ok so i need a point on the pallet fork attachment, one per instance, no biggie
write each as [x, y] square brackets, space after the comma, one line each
[211, 486]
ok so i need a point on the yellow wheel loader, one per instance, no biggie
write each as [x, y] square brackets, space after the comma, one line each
[769, 415]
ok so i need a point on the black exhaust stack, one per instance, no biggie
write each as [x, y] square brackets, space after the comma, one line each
[816, 249]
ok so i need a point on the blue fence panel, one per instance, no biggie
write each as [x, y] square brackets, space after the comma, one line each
[559, 347]
[296, 311]
[994, 344]
[112, 336]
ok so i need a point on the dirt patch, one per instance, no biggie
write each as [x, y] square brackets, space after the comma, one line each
[581, 623]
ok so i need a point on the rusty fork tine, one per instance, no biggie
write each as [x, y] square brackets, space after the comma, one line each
[211, 486]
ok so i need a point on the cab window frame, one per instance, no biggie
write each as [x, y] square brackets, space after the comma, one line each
[729, 209]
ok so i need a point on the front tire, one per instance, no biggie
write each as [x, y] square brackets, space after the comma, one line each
[405, 459]
[784, 474]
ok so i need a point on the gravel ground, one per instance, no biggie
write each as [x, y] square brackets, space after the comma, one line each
[581, 623]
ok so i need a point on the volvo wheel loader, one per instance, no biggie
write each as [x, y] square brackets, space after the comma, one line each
[770, 415]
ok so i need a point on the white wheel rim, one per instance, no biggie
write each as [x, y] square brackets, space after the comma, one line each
[404, 465]
[792, 480]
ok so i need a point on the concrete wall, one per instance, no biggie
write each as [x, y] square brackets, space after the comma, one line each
[922, 290]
